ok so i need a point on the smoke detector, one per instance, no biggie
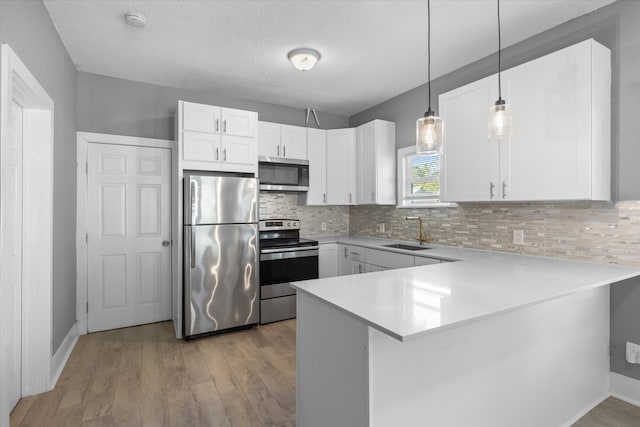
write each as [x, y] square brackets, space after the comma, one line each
[135, 19]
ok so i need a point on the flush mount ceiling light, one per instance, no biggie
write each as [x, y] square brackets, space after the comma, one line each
[135, 19]
[429, 129]
[500, 117]
[304, 59]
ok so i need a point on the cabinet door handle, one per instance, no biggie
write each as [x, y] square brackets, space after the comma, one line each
[224, 154]
[324, 200]
[504, 190]
[373, 196]
[349, 197]
[278, 151]
[217, 153]
[284, 151]
[360, 268]
[217, 125]
[224, 126]
[491, 186]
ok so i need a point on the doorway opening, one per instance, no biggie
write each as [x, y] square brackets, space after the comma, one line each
[26, 224]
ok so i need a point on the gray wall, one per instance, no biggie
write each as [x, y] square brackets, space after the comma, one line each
[616, 26]
[124, 107]
[625, 325]
[25, 25]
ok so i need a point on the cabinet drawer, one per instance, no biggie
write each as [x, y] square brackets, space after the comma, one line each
[355, 253]
[387, 259]
[420, 260]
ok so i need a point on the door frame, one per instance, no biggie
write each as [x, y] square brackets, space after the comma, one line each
[83, 141]
[18, 83]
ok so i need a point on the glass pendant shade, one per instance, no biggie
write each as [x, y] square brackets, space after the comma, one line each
[500, 120]
[429, 133]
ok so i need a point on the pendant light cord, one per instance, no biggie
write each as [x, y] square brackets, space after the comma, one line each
[499, 50]
[429, 49]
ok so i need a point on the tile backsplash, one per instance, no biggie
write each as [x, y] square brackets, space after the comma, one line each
[589, 231]
[285, 205]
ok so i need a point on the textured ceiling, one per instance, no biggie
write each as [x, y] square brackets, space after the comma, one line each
[371, 50]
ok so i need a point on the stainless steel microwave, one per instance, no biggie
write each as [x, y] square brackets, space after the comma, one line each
[281, 174]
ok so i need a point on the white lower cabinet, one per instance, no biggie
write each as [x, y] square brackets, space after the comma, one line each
[356, 267]
[328, 260]
[387, 259]
[370, 268]
[350, 259]
[343, 259]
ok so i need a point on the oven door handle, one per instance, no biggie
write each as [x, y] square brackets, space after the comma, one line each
[300, 248]
[289, 254]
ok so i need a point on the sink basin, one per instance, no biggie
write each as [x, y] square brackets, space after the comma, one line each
[406, 247]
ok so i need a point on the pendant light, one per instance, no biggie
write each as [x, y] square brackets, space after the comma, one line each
[429, 129]
[500, 117]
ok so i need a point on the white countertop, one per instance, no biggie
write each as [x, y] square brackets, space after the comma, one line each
[412, 302]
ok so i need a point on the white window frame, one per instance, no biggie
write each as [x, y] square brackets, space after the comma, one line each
[405, 200]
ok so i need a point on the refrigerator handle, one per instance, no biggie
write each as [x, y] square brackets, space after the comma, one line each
[193, 247]
[192, 197]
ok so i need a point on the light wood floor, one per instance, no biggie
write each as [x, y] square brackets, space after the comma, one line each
[144, 376]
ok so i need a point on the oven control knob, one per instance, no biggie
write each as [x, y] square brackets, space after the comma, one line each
[289, 224]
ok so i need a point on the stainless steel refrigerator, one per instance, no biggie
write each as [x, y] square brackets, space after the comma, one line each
[221, 255]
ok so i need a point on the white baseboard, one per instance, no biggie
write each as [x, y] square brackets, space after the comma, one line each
[586, 410]
[624, 388]
[59, 360]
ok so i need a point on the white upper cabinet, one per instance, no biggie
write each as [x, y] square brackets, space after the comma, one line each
[561, 144]
[341, 166]
[201, 117]
[293, 140]
[238, 122]
[215, 138]
[469, 165]
[560, 149]
[317, 149]
[277, 140]
[268, 139]
[376, 163]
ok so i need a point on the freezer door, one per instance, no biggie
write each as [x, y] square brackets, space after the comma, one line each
[220, 277]
[220, 200]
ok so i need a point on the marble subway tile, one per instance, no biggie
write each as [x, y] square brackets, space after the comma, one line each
[590, 231]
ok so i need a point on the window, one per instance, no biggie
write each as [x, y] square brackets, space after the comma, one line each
[418, 178]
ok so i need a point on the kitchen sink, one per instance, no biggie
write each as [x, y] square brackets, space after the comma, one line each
[406, 247]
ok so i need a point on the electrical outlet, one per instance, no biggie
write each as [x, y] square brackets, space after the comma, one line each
[381, 227]
[633, 353]
[518, 237]
[323, 226]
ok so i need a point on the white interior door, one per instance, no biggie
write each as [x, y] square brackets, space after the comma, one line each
[128, 222]
[11, 252]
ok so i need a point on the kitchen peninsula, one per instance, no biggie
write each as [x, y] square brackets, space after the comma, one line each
[514, 340]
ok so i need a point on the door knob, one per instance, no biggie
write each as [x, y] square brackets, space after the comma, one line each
[165, 243]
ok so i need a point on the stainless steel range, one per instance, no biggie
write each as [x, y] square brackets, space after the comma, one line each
[284, 258]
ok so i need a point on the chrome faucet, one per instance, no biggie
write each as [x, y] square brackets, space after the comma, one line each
[423, 236]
